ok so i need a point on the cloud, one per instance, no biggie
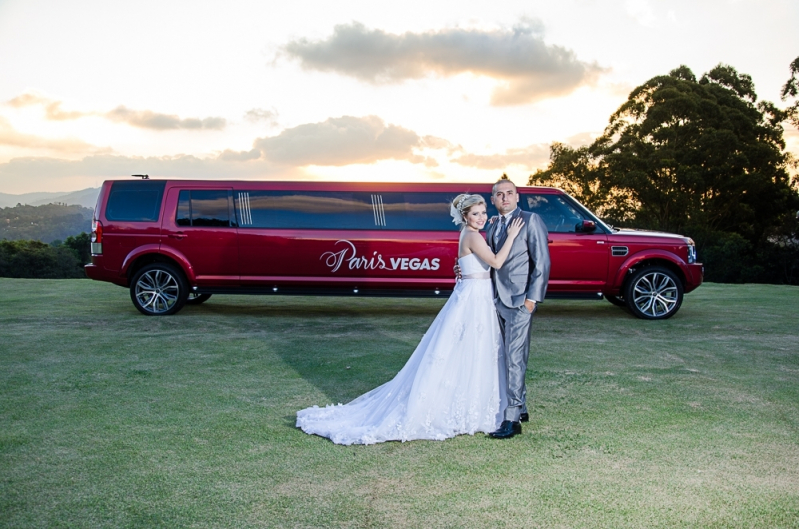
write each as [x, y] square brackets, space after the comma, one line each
[529, 157]
[341, 141]
[9, 136]
[40, 173]
[527, 69]
[145, 119]
[259, 114]
[52, 108]
[239, 156]
[641, 11]
[582, 139]
[433, 142]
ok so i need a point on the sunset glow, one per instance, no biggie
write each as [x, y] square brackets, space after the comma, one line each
[361, 91]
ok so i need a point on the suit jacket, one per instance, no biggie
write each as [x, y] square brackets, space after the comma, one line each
[525, 274]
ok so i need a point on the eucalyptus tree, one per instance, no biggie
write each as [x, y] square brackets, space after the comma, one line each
[697, 156]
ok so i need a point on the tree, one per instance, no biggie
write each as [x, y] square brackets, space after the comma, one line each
[685, 155]
[35, 259]
[791, 90]
[45, 223]
[81, 245]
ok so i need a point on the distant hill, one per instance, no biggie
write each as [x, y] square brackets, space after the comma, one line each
[85, 197]
[44, 223]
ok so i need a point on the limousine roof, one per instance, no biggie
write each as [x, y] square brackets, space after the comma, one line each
[464, 187]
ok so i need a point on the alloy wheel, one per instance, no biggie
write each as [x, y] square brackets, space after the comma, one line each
[157, 291]
[655, 294]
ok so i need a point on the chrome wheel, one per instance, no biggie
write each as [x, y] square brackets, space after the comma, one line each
[654, 293]
[158, 289]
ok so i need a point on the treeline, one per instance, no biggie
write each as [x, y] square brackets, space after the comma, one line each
[36, 259]
[47, 242]
[701, 157]
[44, 223]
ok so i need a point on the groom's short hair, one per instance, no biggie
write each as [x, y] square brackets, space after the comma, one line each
[502, 181]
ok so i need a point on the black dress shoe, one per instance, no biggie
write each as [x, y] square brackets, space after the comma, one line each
[507, 430]
[524, 417]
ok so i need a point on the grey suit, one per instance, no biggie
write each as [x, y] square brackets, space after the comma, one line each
[524, 275]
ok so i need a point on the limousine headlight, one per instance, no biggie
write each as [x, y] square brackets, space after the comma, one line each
[691, 251]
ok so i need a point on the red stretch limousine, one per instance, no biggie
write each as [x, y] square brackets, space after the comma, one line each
[173, 242]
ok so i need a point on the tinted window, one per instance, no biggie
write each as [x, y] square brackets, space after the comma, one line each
[183, 217]
[347, 211]
[305, 209]
[422, 211]
[203, 208]
[556, 212]
[135, 201]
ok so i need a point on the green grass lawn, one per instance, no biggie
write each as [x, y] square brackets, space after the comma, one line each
[112, 419]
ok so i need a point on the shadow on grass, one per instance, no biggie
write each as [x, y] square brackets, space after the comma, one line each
[345, 347]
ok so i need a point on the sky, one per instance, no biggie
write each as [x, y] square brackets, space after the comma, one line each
[427, 91]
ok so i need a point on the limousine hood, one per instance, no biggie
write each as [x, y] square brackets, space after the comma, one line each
[629, 232]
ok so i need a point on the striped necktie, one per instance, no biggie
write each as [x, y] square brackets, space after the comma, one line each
[501, 230]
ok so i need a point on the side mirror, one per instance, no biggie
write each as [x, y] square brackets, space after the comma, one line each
[586, 226]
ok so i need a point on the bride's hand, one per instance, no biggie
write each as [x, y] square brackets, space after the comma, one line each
[515, 227]
[457, 271]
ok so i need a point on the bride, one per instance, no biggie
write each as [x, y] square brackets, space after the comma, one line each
[451, 383]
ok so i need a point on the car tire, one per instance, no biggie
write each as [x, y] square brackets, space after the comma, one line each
[197, 299]
[653, 293]
[616, 300]
[159, 289]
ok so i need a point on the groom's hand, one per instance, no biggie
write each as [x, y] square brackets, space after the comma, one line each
[529, 305]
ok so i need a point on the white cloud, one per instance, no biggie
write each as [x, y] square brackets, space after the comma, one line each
[341, 141]
[51, 107]
[256, 115]
[47, 173]
[530, 158]
[642, 12]
[527, 68]
[10, 137]
[145, 119]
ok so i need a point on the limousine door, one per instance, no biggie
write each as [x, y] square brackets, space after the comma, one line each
[200, 225]
[344, 239]
[579, 260]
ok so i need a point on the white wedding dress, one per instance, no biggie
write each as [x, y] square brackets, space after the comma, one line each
[452, 384]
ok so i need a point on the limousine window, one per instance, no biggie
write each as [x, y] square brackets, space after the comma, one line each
[135, 201]
[420, 211]
[345, 211]
[203, 208]
[558, 215]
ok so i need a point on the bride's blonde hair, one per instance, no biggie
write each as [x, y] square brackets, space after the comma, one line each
[460, 208]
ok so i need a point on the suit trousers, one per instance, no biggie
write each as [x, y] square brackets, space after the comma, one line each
[515, 325]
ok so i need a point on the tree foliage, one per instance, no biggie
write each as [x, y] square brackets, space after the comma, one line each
[700, 157]
[791, 91]
[35, 259]
[45, 223]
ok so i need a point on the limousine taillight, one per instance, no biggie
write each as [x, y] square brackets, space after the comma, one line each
[97, 237]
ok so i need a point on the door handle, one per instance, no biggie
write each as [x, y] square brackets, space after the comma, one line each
[178, 235]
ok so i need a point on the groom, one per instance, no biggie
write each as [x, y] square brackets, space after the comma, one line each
[519, 285]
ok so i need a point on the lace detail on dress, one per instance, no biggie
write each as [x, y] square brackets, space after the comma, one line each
[452, 384]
